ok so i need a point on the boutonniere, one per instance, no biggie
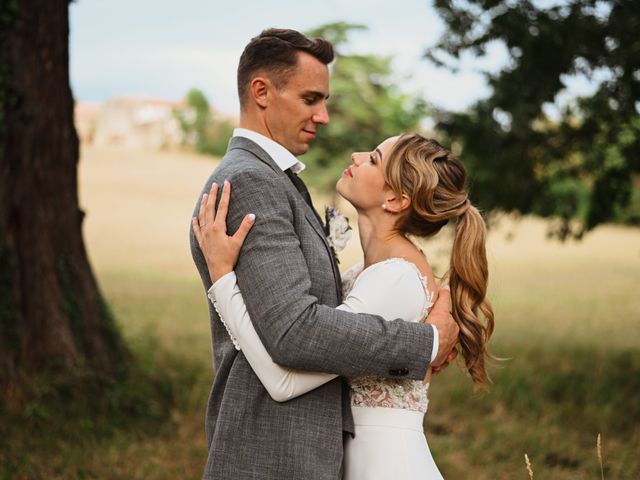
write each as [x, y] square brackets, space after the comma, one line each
[337, 229]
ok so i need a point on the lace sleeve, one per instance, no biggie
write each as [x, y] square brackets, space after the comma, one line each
[212, 298]
[281, 383]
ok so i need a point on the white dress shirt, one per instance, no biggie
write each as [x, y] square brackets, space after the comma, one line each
[283, 157]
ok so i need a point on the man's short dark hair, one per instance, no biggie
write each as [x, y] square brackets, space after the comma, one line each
[275, 52]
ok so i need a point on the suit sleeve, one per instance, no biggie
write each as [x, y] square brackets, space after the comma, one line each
[294, 328]
[388, 290]
[281, 383]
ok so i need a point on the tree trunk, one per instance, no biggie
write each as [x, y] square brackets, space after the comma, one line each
[52, 315]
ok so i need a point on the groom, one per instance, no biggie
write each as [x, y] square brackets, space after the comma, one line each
[291, 284]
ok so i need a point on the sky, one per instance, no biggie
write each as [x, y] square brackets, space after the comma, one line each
[161, 49]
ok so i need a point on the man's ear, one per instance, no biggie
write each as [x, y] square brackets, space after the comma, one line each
[259, 91]
[397, 204]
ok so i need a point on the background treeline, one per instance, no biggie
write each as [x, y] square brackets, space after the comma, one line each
[530, 146]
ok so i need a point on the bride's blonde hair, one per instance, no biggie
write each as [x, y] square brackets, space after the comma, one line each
[435, 182]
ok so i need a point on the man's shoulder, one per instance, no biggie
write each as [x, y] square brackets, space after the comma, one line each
[239, 161]
[250, 176]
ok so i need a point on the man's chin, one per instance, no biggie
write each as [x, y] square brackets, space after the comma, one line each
[301, 149]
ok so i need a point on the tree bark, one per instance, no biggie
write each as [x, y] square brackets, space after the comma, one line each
[52, 315]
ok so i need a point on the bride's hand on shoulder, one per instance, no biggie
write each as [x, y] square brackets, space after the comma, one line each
[220, 250]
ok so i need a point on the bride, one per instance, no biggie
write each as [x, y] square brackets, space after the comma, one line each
[408, 185]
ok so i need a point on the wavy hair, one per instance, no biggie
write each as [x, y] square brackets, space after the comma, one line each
[436, 183]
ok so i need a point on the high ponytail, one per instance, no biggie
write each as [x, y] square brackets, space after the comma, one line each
[435, 181]
[468, 277]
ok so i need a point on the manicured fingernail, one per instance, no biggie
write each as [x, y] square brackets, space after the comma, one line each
[205, 195]
[214, 185]
[226, 183]
[252, 217]
[445, 287]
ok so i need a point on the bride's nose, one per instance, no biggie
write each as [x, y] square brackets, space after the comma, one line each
[354, 158]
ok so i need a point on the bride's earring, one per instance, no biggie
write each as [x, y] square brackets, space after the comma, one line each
[384, 206]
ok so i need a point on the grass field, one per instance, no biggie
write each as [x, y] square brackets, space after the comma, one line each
[567, 319]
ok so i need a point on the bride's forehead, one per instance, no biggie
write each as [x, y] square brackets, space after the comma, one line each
[387, 144]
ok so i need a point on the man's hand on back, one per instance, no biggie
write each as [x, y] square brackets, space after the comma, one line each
[448, 330]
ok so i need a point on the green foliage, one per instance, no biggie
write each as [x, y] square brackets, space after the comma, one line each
[578, 164]
[196, 118]
[583, 384]
[365, 107]
[631, 214]
[217, 137]
[549, 402]
[204, 132]
[76, 410]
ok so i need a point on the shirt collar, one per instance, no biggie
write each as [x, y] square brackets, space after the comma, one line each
[283, 157]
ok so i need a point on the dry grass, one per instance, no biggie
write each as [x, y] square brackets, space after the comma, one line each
[599, 452]
[566, 314]
[528, 465]
[139, 207]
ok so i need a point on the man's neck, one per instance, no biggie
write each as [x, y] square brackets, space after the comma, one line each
[255, 125]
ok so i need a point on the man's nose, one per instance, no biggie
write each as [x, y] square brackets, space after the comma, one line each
[321, 116]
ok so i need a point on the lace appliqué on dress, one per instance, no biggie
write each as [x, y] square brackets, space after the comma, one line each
[349, 278]
[374, 392]
[389, 392]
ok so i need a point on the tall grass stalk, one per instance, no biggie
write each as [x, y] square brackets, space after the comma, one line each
[528, 464]
[599, 449]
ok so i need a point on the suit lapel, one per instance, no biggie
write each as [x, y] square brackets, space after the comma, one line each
[241, 143]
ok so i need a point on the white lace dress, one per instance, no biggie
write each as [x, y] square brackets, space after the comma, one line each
[388, 413]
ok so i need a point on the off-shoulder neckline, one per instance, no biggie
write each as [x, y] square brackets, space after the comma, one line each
[423, 278]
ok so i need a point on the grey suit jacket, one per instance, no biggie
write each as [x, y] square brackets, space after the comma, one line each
[290, 286]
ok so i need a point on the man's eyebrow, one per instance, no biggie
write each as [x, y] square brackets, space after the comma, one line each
[315, 94]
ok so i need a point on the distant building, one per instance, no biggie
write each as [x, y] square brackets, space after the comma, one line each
[130, 122]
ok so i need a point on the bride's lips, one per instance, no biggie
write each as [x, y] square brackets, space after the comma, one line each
[347, 172]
